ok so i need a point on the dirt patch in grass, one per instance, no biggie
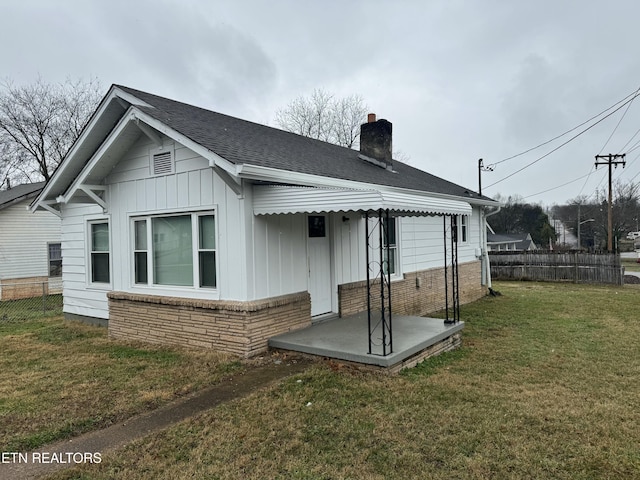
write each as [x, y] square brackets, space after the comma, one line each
[60, 378]
[546, 386]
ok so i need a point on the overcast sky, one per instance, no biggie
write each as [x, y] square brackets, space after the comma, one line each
[459, 80]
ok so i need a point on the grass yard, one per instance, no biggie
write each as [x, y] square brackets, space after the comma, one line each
[546, 386]
[59, 379]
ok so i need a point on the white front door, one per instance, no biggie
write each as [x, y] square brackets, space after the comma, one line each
[318, 248]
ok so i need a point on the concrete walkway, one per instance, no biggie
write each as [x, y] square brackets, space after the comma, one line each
[111, 438]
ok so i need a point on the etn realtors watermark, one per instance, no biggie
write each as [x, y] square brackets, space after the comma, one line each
[51, 457]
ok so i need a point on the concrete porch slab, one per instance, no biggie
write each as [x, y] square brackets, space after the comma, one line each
[347, 339]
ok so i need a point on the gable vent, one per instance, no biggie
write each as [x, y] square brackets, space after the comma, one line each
[162, 163]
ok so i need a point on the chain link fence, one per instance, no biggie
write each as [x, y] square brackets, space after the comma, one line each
[30, 300]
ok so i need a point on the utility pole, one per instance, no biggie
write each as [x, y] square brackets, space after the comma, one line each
[482, 168]
[610, 160]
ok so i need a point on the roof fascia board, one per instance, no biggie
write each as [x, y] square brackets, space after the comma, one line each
[255, 172]
[114, 94]
[214, 159]
[128, 98]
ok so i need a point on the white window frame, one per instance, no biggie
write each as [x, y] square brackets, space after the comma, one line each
[90, 223]
[395, 248]
[49, 260]
[195, 239]
[463, 229]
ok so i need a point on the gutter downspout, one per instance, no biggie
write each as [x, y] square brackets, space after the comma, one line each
[486, 277]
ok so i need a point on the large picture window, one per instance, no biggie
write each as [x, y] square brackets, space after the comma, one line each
[99, 232]
[176, 250]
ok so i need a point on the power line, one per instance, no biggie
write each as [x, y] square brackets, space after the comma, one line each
[632, 137]
[619, 122]
[593, 169]
[559, 186]
[635, 93]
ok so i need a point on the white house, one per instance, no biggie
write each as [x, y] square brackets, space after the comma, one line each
[502, 242]
[182, 225]
[30, 253]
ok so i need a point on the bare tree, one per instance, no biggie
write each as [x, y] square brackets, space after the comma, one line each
[39, 123]
[324, 117]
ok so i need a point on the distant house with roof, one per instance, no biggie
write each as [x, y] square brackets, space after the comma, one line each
[513, 242]
[30, 245]
[182, 225]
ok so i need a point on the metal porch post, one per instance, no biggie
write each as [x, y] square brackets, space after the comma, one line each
[386, 279]
[446, 276]
[455, 279]
[383, 273]
[366, 227]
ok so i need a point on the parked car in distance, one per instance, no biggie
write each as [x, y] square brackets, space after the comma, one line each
[633, 235]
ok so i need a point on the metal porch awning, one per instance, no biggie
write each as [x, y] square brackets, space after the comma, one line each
[271, 200]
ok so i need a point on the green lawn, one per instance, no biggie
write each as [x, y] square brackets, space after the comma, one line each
[546, 386]
[59, 379]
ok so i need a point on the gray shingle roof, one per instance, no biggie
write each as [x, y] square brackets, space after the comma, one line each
[18, 193]
[243, 142]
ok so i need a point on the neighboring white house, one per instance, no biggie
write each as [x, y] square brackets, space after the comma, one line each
[182, 225]
[30, 246]
[512, 242]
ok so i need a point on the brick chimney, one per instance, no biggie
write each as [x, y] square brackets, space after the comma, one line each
[375, 142]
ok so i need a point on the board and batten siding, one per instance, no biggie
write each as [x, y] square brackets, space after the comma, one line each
[24, 239]
[349, 247]
[193, 187]
[132, 191]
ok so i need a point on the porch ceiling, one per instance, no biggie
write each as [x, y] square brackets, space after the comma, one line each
[270, 200]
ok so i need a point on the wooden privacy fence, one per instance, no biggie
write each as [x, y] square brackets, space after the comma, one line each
[557, 267]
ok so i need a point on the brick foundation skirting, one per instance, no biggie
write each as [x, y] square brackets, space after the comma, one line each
[240, 328]
[418, 293]
[26, 287]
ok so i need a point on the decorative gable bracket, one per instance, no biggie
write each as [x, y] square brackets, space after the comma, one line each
[234, 183]
[150, 132]
[48, 205]
[90, 191]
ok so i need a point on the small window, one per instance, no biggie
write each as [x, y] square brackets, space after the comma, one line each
[162, 163]
[100, 252]
[463, 228]
[317, 227]
[389, 239]
[140, 252]
[207, 250]
[55, 260]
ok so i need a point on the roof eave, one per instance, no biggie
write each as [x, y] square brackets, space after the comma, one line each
[59, 184]
[275, 175]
